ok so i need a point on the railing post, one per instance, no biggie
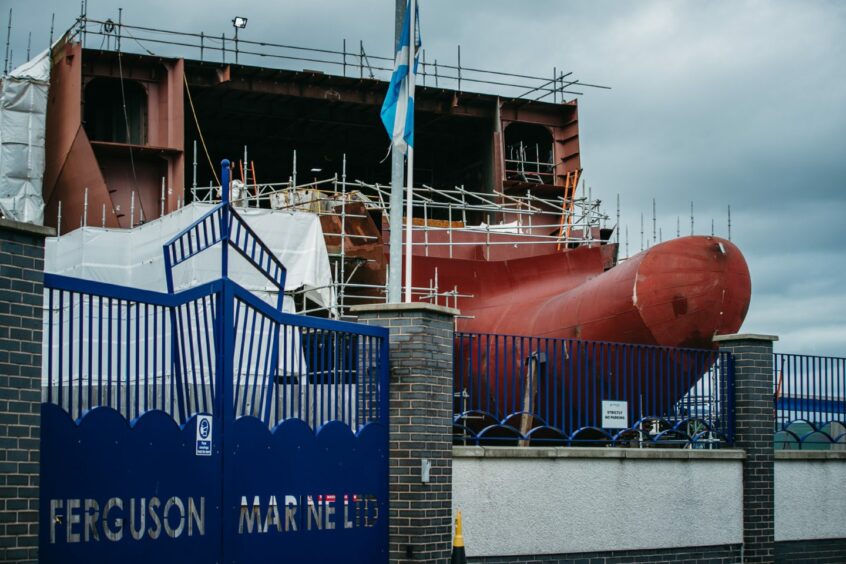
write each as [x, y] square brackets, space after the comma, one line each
[421, 374]
[752, 357]
[225, 413]
[224, 218]
[225, 408]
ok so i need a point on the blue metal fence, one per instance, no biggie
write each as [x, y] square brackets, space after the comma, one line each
[216, 413]
[135, 350]
[809, 402]
[542, 391]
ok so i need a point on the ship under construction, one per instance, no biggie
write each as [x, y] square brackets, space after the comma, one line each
[505, 230]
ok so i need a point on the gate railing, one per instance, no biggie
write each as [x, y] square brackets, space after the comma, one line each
[112, 346]
[809, 402]
[215, 348]
[136, 350]
[533, 391]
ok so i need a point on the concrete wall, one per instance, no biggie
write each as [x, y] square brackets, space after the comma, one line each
[556, 501]
[810, 495]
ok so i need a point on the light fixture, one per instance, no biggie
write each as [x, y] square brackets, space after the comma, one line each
[238, 23]
[316, 170]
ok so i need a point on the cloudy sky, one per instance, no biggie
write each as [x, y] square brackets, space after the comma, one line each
[739, 103]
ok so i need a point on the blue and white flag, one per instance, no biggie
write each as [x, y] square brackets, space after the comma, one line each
[398, 107]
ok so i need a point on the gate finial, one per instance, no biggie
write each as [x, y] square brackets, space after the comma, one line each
[224, 181]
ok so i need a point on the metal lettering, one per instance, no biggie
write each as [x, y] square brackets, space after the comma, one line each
[139, 533]
[368, 522]
[72, 520]
[252, 517]
[193, 516]
[358, 518]
[348, 500]
[272, 517]
[55, 519]
[91, 517]
[314, 513]
[116, 534]
[328, 511]
[290, 513]
[173, 533]
[156, 530]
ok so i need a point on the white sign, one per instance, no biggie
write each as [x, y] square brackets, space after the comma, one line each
[615, 414]
[204, 435]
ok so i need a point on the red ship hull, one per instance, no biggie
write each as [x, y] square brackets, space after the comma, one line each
[676, 294]
[680, 293]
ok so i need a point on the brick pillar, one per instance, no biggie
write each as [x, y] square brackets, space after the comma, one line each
[754, 424]
[21, 300]
[421, 339]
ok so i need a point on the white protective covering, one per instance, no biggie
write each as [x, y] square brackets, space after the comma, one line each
[133, 257]
[23, 116]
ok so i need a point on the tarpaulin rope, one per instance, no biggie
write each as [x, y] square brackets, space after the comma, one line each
[199, 130]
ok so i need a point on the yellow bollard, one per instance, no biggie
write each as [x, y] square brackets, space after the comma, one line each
[458, 555]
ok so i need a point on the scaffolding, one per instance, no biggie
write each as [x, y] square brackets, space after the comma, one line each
[509, 219]
[520, 167]
[443, 216]
[111, 34]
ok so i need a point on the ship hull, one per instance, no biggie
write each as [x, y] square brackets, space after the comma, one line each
[677, 294]
[680, 293]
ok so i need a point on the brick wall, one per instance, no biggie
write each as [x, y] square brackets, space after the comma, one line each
[811, 551]
[420, 428]
[721, 554]
[754, 421]
[21, 273]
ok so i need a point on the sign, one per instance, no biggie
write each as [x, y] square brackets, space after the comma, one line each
[615, 414]
[204, 435]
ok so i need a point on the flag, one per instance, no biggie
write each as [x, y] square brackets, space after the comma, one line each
[398, 108]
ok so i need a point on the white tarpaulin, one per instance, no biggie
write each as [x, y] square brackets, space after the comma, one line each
[23, 114]
[133, 257]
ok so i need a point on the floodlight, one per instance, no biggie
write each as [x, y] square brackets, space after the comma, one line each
[239, 22]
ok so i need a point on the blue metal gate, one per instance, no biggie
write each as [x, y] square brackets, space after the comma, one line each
[206, 425]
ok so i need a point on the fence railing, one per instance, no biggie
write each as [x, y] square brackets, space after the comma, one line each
[513, 390]
[135, 351]
[347, 60]
[809, 402]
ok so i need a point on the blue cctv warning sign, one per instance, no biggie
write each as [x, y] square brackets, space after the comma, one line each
[204, 435]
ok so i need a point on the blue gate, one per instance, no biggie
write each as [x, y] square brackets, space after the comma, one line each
[206, 425]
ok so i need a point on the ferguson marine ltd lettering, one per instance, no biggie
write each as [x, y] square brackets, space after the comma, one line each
[288, 513]
[118, 519]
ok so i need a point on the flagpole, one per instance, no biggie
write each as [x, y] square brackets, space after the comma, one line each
[412, 48]
[395, 213]
[395, 220]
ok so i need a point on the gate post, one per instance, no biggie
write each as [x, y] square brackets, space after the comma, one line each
[421, 349]
[21, 300]
[754, 428]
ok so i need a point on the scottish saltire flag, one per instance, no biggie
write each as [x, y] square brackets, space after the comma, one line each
[398, 107]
